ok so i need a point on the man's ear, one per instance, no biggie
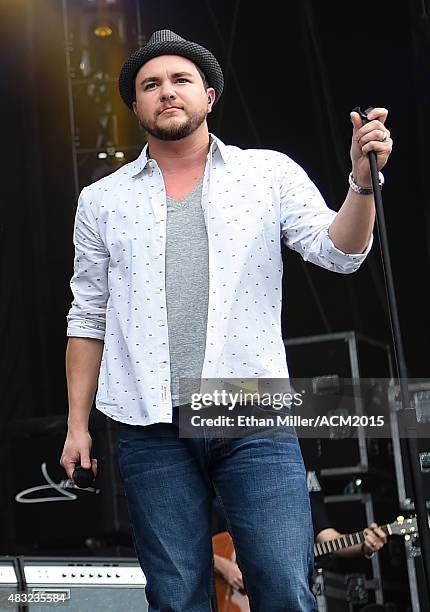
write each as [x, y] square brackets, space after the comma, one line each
[134, 105]
[211, 94]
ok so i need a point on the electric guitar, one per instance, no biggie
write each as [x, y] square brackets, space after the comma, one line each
[232, 600]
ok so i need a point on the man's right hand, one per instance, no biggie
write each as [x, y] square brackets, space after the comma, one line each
[77, 450]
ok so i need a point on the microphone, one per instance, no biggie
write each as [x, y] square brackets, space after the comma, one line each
[83, 477]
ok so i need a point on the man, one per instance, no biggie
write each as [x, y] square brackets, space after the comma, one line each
[178, 276]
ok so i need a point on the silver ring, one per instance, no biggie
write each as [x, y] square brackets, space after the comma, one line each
[385, 136]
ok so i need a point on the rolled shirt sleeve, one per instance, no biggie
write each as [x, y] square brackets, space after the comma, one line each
[89, 284]
[305, 221]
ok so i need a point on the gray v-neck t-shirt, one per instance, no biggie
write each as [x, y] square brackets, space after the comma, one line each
[187, 289]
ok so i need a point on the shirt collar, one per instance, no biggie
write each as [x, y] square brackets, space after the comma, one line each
[217, 147]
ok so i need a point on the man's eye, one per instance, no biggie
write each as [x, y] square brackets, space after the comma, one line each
[153, 85]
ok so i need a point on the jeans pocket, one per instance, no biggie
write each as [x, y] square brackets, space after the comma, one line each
[145, 443]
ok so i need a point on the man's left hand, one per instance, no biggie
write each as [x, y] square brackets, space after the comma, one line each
[375, 539]
[372, 136]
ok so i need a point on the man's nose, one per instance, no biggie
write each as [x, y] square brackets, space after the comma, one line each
[167, 93]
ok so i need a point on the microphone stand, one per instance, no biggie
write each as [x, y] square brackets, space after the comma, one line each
[411, 420]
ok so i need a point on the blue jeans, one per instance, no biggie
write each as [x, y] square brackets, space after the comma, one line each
[260, 481]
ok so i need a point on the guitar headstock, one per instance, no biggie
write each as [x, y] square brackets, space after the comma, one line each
[404, 526]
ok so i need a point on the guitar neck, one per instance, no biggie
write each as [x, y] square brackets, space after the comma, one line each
[345, 541]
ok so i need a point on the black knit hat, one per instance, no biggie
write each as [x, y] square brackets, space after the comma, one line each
[166, 42]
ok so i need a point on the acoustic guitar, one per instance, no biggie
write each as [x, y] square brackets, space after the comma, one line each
[230, 599]
[401, 526]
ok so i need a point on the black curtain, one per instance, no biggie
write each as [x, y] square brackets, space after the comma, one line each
[38, 209]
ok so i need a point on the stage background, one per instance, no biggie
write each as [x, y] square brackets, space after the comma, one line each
[291, 81]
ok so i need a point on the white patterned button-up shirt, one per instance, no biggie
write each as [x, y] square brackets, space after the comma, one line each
[251, 200]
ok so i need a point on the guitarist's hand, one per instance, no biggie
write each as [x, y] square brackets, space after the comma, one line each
[375, 539]
[230, 572]
[233, 575]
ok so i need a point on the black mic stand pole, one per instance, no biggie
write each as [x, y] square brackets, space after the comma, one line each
[411, 420]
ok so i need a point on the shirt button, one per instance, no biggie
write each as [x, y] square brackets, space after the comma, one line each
[163, 364]
[158, 291]
[160, 323]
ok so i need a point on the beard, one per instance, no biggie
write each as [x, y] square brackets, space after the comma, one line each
[176, 130]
